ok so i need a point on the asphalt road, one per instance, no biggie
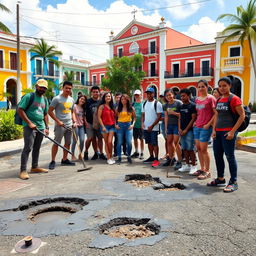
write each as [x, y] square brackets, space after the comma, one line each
[210, 223]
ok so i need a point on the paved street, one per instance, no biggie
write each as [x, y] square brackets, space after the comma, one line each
[207, 222]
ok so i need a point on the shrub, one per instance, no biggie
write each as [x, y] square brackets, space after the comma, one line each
[8, 129]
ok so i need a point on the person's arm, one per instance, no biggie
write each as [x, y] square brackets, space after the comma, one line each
[165, 120]
[52, 115]
[133, 119]
[25, 118]
[142, 120]
[190, 124]
[240, 111]
[210, 123]
[100, 119]
[46, 121]
[116, 118]
[214, 125]
[150, 128]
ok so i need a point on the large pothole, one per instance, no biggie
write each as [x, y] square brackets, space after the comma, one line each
[130, 228]
[146, 180]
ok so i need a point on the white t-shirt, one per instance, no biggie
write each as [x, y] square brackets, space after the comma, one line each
[151, 114]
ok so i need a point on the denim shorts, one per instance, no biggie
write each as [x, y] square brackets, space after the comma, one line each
[172, 129]
[187, 141]
[201, 134]
[151, 137]
[109, 128]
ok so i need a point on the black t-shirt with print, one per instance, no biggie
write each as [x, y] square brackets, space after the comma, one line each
[186, 111]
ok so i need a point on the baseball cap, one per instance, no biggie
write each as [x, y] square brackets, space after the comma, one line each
[42, 83]
[150, 89]
[137, 92]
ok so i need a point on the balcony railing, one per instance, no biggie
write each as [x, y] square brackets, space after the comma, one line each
[152, 73]
[196, 73]
[11, 65]
[232, 62]
[92, 83]
[47, 73]
[143, 51]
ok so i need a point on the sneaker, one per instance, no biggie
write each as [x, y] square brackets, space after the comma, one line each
[167, 162]
[110, 161]
[38, 170]
[102, 157]
[24, 175]
[149, 160]
[178, 165]
[52, 165]
[95, 156]
[173, 161]
[86, 156]
[113, 161]
[155, 163]
[119, 160]
[135, 155]
[129, 160]
[141, 156]
[184, 168]
[193, 169]
[217, 183]
[67, 162]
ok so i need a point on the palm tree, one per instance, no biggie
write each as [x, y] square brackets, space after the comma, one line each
[46, 52]
[243, 27]
[70, 76]
[2, 26]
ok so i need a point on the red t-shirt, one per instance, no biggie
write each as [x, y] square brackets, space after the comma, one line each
[235, 101]
[204, 109]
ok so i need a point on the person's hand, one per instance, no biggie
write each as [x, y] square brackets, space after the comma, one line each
[171, 112]
[104, 129]
[32, 126]
[60, 123]
[150, 128]
[75, 125]
[180, 132]
[46, 131]
[117, 127]
[130, 127]
[206, 126]
[184, 132]
[143, 126]
[214, 134]
[229, 135]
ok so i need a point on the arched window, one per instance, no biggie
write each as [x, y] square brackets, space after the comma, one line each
[134, 48]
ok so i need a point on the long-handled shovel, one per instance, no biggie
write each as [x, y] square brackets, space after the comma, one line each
[86, 168]
[55, 142]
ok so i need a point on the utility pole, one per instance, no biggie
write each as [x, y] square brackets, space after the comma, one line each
[18, 51]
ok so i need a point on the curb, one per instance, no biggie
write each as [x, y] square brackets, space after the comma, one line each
[247, 147]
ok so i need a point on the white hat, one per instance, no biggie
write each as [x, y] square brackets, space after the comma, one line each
[137, 92]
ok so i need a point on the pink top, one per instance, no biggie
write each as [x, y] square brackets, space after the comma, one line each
[80, 114]
[204, 109]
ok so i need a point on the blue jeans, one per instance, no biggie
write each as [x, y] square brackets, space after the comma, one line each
[220, 146]
[80, 135]
[187, 141]
[123, 131]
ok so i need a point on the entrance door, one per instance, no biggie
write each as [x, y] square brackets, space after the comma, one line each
[11, 87]
[176, 70]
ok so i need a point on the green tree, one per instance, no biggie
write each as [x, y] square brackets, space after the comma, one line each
[70, 76]
[46, 52]
[2, 26]
[243, 26]
[124, 74]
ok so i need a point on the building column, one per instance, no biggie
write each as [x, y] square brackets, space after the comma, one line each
[217, 61]
[162, 61]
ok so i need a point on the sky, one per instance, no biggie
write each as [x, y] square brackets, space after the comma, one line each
[81, 28]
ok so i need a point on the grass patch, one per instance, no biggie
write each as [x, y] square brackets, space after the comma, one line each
[248, 134]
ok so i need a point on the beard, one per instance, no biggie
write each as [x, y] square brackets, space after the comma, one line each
[39, 92]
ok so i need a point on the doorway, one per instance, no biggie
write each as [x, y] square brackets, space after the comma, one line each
[11, 87]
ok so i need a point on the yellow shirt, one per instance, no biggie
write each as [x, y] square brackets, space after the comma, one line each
[124, 117]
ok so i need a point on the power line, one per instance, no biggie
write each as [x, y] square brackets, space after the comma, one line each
[121, 13]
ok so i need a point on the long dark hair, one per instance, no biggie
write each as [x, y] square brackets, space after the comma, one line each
[103, 100]
[128, 104]
[78, 98]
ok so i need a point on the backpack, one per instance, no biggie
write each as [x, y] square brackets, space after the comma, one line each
[17, 118]
[235, 116]
[155, 105]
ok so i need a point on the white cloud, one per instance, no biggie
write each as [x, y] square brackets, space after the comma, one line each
[221, 3]
[206, 30]
[97, 50]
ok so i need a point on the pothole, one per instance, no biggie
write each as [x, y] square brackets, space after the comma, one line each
[146, 180]
[130, 228]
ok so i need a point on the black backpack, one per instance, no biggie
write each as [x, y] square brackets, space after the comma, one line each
[235, 116]
[155, 105]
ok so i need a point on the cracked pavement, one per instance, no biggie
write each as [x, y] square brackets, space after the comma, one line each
[210, 223]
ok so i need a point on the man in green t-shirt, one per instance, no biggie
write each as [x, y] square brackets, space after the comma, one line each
[137, 129]
[35, 116]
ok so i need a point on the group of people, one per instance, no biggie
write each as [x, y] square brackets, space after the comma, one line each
[187, 126]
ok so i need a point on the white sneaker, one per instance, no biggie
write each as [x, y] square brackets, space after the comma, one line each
[113, 161]
[184, 168]
[193, 169]
[110, 161]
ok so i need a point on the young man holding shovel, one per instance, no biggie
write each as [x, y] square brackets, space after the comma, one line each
[34, 117]
[64, 118]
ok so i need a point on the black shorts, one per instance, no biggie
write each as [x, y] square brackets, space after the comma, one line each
[151, 137]
[138, 133]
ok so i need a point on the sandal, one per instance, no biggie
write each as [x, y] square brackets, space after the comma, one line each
[217, 183]
[230, 188]
[204, 175]
[197, 173]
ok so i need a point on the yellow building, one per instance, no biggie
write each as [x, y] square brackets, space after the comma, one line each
[8, 69]
[234, 60]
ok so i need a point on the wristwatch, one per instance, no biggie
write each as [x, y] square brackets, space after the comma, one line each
[47, 128]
